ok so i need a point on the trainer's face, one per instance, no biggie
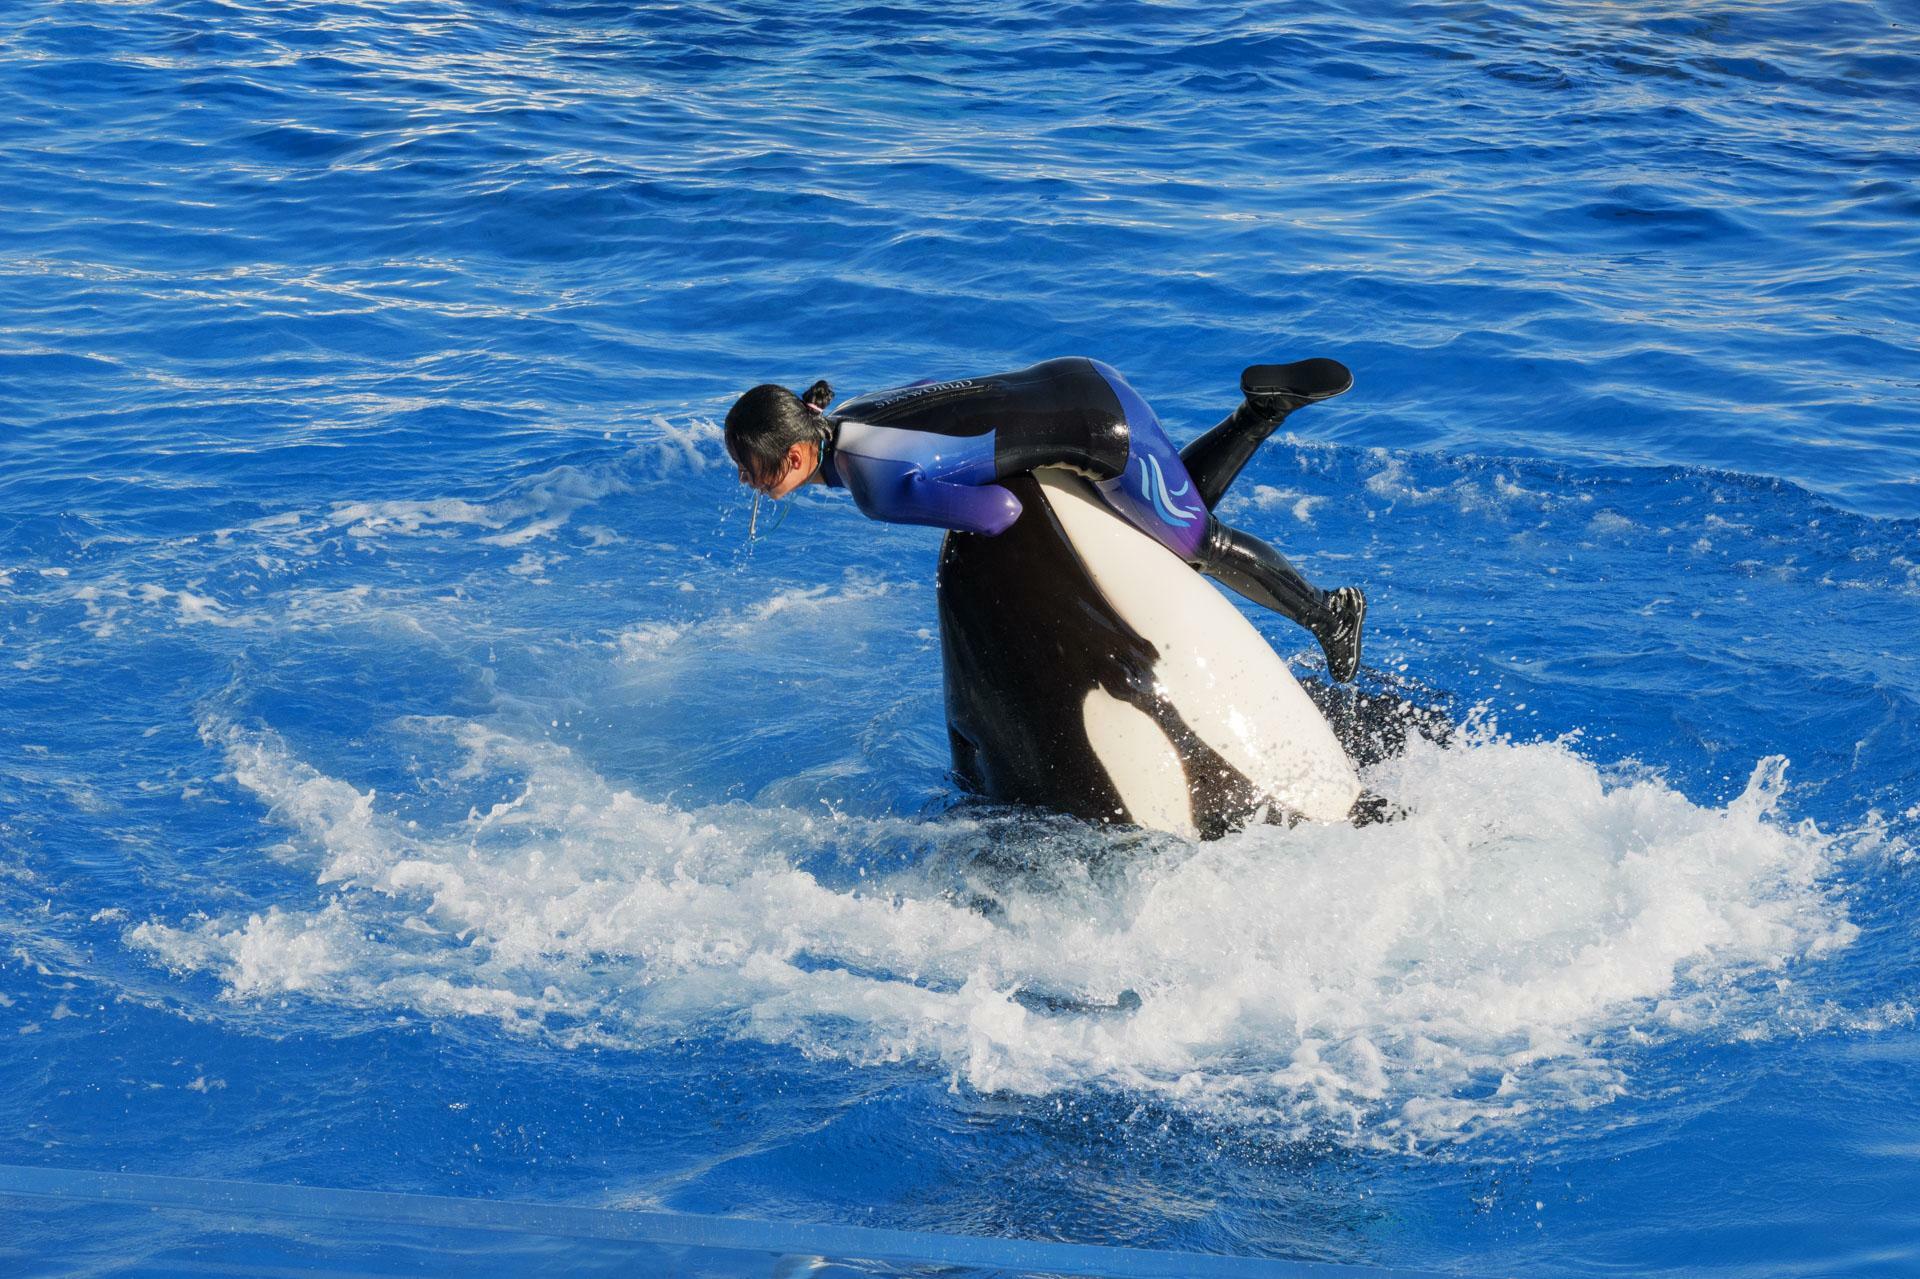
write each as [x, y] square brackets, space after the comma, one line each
[796, 468]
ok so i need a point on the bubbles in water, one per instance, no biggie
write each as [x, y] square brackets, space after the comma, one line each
[1500, 950]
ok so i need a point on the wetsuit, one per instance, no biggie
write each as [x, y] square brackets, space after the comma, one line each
[929, 453]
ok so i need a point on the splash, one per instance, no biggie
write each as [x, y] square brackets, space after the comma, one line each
[1498, 952]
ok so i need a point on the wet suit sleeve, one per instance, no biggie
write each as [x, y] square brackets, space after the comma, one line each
[902, 493]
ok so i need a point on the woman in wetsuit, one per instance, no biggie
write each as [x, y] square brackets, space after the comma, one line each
[930, 453]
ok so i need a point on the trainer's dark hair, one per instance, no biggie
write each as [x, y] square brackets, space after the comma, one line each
[768, 420]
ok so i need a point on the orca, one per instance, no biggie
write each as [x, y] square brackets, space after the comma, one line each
[1091, 671]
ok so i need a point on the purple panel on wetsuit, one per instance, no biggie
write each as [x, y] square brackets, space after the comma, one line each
[1154, 492]
[922, 477]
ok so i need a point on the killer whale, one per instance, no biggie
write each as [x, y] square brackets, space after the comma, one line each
[1091, 671]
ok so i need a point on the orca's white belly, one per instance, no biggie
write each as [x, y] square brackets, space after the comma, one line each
[1226, 682]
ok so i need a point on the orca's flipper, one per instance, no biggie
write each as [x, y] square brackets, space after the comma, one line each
[1272, 391]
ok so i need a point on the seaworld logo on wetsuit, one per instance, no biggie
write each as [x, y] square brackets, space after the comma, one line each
[914, 392]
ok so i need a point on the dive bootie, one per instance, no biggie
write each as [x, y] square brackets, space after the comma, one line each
[1275, 390]
[1338, 630]
[1271, 392]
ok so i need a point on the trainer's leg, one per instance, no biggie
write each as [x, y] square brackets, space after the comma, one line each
[1248, 566]
[1155, 493]
[1272, 392]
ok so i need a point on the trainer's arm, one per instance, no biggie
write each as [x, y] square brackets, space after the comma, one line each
[903, 494]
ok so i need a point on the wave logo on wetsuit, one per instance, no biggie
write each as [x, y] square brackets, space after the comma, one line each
[1154, 481]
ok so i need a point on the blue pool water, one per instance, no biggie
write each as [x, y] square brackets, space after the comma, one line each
[411, 780]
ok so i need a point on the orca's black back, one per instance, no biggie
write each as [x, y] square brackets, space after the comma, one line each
[1014, 683]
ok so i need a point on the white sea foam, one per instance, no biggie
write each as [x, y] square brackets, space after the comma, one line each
[1501, 949]
[646, 641]
[546, 504]
[1471, 489]
[1266, 497]
[536, 508]
[1609, 524]
[107, 603]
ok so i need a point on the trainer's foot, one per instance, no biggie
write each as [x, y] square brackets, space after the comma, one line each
[1338, 631]
[1276, 390]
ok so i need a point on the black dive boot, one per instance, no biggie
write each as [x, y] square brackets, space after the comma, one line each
[1338, 630]
[1272, 391]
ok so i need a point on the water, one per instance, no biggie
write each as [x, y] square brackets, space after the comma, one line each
[413, 781]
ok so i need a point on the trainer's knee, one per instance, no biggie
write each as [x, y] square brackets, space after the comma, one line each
[1211, 542]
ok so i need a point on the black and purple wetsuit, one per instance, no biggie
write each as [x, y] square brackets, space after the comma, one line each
[930, 453]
